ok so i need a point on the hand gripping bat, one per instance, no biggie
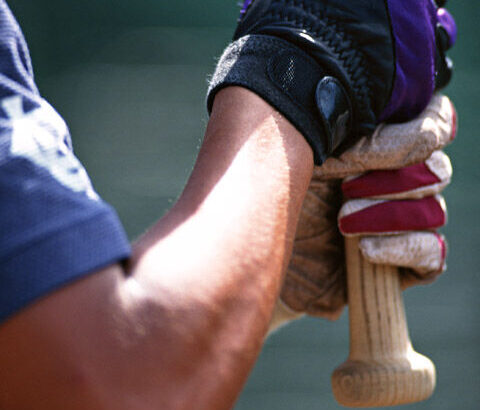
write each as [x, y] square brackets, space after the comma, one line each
[336, 69]
[383, 369]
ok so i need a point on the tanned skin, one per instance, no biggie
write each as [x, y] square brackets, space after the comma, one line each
[181, 325]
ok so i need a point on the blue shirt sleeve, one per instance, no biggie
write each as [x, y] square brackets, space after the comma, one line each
[54, 228]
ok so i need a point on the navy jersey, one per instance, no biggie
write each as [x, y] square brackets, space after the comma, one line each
[53, 226]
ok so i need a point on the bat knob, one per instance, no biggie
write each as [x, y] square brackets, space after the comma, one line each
[382, 368]
[384, 382]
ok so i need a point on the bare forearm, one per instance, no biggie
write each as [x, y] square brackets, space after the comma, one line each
[216, 260]
[185, 322]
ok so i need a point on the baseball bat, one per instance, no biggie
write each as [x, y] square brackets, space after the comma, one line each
[382, 368]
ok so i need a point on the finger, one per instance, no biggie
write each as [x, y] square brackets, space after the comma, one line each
[315, 282]
[369, 216]
[315, 278]
[416, 181]
[319, 209]
[423, 252]
[394, 146]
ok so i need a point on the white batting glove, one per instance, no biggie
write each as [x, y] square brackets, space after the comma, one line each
[396, 212]
[392, 182]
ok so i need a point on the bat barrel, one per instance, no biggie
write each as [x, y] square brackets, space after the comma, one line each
[382, 368]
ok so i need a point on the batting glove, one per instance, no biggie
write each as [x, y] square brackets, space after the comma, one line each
[338, 68]
[393, 199]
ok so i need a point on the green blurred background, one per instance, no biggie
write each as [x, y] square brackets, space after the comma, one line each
[130, 79]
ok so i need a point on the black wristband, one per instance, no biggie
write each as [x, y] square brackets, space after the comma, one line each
[337, 68]
[293, 83]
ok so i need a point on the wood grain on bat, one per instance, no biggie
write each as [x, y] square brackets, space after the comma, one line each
[382, 368]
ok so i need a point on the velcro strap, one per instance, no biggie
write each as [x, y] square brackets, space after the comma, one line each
[292, 82]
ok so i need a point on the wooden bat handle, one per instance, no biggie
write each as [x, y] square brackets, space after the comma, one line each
[382, 368]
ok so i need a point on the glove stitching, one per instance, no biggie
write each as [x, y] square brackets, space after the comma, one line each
[334, 36]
